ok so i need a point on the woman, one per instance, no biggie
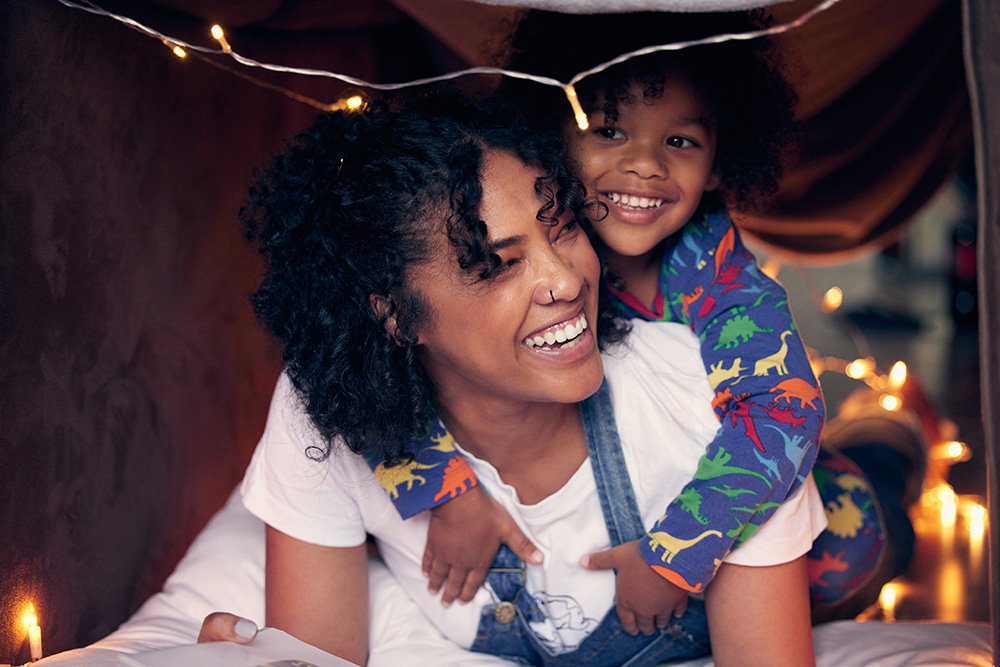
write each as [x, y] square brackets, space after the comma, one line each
[431, 263]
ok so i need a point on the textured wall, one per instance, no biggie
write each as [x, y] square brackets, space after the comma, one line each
[133, 378]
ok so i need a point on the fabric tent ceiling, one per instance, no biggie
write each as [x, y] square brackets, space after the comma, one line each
[883, 100]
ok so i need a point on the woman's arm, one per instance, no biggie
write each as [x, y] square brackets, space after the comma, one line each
[318, 594]
[760, 615]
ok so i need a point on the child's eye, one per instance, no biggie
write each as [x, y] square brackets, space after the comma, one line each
[608, 132]
[680, 142]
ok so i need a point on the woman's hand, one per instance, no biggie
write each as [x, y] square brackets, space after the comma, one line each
[645, 601]
[222, 626]
[462, 540]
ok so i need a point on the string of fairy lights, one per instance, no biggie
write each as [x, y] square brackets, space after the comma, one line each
[182, 49]
[938, 495]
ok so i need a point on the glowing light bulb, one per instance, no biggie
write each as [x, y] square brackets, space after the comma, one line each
[889, 402]
[977, 512]
[354, 102]
[179, 52]
[955, 449]
[897, 376]
[887, 599]
[221, 38]
[581, 118]
[832, 300]
[859, 368]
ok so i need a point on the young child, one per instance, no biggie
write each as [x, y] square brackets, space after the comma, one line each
[675, 139]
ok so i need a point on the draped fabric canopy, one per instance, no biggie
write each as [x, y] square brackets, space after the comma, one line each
[881, 87]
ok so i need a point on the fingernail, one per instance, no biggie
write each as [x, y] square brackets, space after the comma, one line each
[536, 557]
[445, 604]
[246, 629]
[585, 561]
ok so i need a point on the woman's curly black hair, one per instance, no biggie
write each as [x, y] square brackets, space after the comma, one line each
[339, 216]
[741, 82]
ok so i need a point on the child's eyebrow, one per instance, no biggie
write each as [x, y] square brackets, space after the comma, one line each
[690, 120]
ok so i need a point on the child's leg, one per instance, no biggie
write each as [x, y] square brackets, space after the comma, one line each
[867, 486]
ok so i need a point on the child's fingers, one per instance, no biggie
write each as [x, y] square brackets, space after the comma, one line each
[646, 624]
[453, 585]
[519, 543]
[680, 608]
[224, 627]
[601, 560]
[437, 573]
[473, 581]
[627, 620]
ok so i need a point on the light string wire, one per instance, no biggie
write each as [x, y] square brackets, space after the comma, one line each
[180, 47]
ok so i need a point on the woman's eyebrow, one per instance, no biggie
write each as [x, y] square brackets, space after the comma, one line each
[507, 242]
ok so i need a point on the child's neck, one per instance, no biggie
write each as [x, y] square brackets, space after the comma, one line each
[641, 273]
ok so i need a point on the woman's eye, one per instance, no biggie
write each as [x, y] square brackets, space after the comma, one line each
[607, 132]
[569, 229]
[680, 142]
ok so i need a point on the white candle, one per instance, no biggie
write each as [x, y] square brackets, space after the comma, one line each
[35, 640]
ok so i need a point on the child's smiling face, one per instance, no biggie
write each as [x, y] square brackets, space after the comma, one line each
[650, 167]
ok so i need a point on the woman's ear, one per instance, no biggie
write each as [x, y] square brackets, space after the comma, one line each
[382, 308]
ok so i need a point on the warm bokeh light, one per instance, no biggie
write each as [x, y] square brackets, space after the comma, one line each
[955, 449]
[30, 618]
[859, 368]
[897, 376]
[354, 102]
[887, 599]
[977, 513]
[179, 52]
[832, 300]
[889, 402]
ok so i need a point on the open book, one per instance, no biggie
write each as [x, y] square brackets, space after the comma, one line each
[270, 648]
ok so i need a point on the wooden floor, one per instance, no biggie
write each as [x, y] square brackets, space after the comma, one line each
[899, 309]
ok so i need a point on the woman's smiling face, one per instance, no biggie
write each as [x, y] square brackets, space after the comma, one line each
[650, 167]
[527, 332]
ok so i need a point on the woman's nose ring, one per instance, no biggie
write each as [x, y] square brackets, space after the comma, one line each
[552, 297]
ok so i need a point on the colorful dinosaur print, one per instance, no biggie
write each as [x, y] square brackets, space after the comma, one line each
[797, 388]
[793, 452]
[717, 467]
[784, 415]
[392, 478]
[742, 411]
[456, 474]
[689, 241]
[688, 299]
[722, 398]
[726, 245]
[676, 579]
[738, 329]
[719, 373]
[673, 545]
[843, 517]
[775, 361]
[817, 567]
[445, 442]
[690, 501]
[728, 275]
[729, 491]
[770, 465]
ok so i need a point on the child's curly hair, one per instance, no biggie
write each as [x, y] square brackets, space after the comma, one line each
[339, 216]
[740, 81]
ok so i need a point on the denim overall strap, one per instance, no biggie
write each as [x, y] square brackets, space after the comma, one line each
[614, 486]
[504, 628]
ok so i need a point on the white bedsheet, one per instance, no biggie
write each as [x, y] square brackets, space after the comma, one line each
[224, 570]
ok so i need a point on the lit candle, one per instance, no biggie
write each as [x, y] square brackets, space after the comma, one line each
[34, 633]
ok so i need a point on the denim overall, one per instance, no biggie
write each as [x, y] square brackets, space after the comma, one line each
[503, 627]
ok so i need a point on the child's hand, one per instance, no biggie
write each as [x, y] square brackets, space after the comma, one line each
[463, 538]
[645, 600]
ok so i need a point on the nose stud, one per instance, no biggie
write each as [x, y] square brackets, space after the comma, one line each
[552, 297]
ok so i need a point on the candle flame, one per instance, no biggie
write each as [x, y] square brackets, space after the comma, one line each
[30, 618]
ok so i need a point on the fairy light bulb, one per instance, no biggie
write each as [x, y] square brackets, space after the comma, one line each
[859, 368]
[889, 402]
[887, 599]
[220, 37]
[581, 118]
[354, 102]
[977, 513]
[897, 376]
[832, 300]
[179, 52]
[955, 449]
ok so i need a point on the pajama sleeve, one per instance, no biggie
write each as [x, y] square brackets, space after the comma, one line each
[436, 474]
[766, 397]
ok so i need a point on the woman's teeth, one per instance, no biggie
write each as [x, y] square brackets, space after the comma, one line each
[631, 201]
[568, 334]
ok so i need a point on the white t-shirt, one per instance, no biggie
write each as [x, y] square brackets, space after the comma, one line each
[661, 400]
